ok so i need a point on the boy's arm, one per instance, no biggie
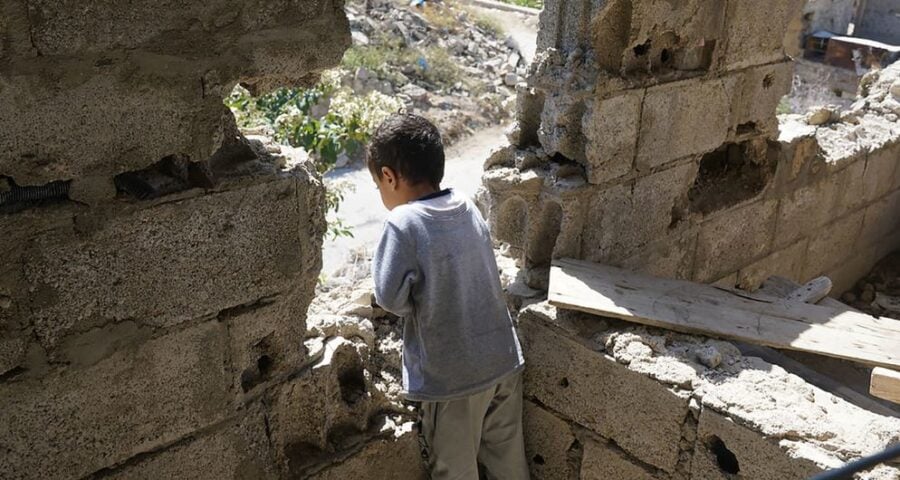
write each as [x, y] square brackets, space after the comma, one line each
[395, 271]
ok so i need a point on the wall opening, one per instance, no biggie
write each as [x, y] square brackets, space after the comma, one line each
[725, 458]
[730, 175]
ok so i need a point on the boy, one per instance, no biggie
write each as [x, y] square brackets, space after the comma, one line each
[435, 268]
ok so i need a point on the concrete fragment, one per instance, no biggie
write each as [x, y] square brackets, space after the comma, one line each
[92, 190]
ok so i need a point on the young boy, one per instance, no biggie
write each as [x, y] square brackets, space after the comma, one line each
[435, 268]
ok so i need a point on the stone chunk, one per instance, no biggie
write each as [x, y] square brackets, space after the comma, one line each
[681, 119]
[136, 400]
[563, 374]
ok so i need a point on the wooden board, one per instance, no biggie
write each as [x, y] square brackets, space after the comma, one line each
[885, 384]
[694, 308]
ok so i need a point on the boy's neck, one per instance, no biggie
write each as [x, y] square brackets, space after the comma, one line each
[415, 192]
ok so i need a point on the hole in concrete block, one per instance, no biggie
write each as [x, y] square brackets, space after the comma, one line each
[665, 56]
[725, 458]
[746, 128]
[538, 460]
[353, 385]
[768, 80]
[642, 49]
[727, 176]
[264, 364]
[172, 174]
[564, 383]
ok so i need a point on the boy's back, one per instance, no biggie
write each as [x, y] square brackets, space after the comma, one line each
[435, 267]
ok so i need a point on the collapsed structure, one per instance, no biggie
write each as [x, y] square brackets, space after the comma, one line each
[157, 267]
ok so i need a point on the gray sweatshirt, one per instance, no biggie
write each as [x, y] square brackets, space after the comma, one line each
[435, 268]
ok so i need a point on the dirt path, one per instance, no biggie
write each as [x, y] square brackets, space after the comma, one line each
[363, 212]
[520, 26]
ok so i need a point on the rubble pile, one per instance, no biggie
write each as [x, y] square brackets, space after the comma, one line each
[878, 293]
[441, 60]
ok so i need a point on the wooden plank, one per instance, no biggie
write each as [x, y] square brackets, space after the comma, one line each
[706, 310]
[814, 290]
[885, 384]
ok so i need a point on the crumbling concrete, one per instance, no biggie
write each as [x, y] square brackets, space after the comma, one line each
[623, 401]
[661, 152]
[157, 266]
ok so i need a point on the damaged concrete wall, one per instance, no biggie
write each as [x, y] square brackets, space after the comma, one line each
[155, 266]
[605, 399]
[647, 138]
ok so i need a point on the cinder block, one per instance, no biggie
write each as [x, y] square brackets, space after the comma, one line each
[733, 239]
[382, 459]
[804, 210]
[603, 461]
[639, 414]
[671, 257]
[882, 219]
[878, 177]
[628, 218]
[851, 194]
[267, 338]
[755, 94]
[850, 270]
[788, 262]
[226, 249]
[548, 441]
[681, 119]
[833, 244]
[238, 450]
[756, 30]
[610, 129]
[725, 450]
[75, 422]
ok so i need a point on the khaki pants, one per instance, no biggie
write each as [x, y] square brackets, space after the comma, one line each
[483, 429]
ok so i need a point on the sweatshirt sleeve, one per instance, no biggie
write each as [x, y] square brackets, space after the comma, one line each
[395, 271]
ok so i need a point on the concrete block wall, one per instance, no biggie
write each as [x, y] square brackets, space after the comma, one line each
[646, 137]
[605, 399]
[153, 321]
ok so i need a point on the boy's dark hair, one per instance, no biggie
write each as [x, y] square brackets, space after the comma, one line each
[411, 146]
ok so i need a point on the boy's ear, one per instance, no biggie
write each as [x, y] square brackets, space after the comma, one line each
[390, 176]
